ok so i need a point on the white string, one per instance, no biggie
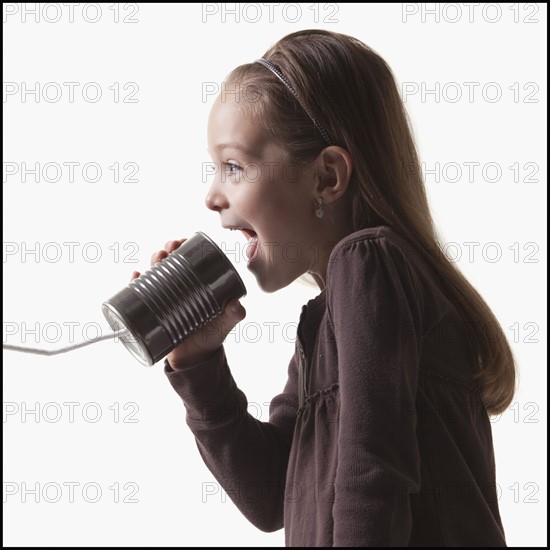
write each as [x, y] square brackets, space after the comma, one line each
[39, 351]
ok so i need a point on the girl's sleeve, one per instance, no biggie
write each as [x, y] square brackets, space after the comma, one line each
[374, 307]
[248, 457]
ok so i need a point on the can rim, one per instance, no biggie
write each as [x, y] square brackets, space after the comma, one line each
[133, 332]
[226, 259]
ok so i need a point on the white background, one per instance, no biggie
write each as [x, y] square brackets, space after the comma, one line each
[172, 52]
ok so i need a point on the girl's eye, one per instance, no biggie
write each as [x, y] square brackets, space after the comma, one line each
[231, 167]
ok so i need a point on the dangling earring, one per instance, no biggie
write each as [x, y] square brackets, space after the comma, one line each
[319, 212]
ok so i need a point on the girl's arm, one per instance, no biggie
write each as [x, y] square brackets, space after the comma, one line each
[375, 312]
[248, 457]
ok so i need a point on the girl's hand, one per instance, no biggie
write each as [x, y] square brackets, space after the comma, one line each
[205, 341]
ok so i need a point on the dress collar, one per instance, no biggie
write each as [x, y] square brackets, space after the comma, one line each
[316, 301]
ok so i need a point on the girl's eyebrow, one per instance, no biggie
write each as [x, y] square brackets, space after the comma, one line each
[236, 146]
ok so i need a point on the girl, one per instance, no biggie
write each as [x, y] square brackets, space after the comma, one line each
[381, 435]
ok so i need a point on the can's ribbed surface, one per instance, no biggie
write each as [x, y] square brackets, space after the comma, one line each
[174, 298]
[181, 303]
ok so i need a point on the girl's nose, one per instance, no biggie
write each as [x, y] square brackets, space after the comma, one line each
[215, 200]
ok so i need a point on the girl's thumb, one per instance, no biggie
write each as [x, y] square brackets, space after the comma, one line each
[232, 314]
[235, 310]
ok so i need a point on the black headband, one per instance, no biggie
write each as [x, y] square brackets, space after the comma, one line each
[277, 72]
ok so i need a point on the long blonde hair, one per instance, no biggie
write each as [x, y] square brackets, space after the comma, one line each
[351, 90]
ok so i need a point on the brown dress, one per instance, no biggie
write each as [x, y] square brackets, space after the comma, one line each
[379, 437]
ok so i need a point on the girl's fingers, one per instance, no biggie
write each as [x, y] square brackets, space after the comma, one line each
[158, 256]
[170, 246]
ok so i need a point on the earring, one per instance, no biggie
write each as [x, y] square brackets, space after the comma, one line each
[319, 212]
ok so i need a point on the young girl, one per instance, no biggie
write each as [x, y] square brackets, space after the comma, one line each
[381, 435]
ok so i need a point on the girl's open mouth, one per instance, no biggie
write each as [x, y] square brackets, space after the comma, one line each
[252, 237]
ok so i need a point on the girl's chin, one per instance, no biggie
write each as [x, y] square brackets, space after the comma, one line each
[267, 286]
[267, 278]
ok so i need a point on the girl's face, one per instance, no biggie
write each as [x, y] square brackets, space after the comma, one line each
[255, 188]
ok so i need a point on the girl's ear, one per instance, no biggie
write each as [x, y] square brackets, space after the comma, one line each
[334, 169]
